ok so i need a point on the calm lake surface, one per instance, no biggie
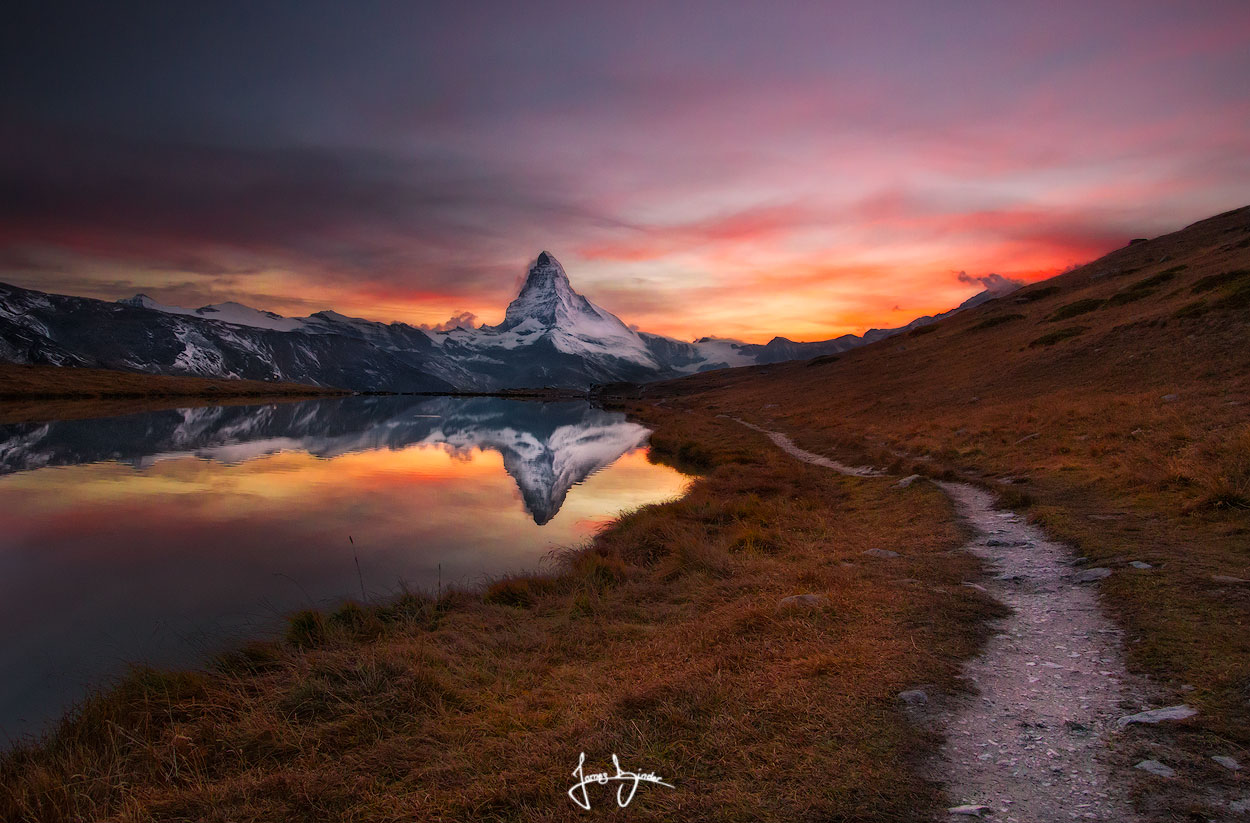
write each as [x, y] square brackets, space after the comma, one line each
[166, 537]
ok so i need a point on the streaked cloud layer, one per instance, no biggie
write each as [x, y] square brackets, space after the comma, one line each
[730, 168]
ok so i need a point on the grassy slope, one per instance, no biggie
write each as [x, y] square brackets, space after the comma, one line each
[1117, 397]
[661, 643]
[55, 393]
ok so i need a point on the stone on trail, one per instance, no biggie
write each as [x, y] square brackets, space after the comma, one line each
[1227, 762]
[802, 601]
[1092, 575]
[907, 481]
[1180, 712]
[883, 553]
[1156, 768]
[969, 810]
[914, 697]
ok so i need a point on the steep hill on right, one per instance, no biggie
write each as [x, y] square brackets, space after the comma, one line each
[1110, 404]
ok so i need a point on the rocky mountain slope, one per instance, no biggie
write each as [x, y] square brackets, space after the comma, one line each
[551, 336]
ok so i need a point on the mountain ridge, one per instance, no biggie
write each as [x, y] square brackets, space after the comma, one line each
[551, 337]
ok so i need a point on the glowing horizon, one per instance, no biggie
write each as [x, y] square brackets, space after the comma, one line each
[714, 169]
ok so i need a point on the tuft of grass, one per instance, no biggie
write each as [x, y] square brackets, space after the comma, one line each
[1215, 281]
[599, 570]
[1195, 309]
[991, 322]
[1076, 308]
[1059, 336]
[1144, 288]
[1033, 295]
[1128, 296]
[1217, 473]
[824, 360]
[919, 330]
[1013, 498]
[306, 629]
[519, 591]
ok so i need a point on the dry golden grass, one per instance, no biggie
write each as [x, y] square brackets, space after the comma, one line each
[1129, 439]
[659, 642]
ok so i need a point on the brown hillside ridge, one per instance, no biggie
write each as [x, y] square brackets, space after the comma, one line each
[29, 393]
[1111, 405]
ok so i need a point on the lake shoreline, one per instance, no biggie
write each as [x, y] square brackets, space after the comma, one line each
[33, 394]
[672, 624]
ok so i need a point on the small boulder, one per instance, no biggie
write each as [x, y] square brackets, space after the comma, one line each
[1227, 762]
[1231, 581]
[1092, 575]
[968, 810]
[1168, 398]
[972, 585]
[907, 481]
[1156, 768]
[1180, 712]
[1138, 564]
[802, 601]
[914, 697]
[885, 554]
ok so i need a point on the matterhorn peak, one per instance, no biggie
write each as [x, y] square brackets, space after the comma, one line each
[546, 273]
[546, 298]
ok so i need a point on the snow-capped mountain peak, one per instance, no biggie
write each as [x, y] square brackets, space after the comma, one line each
[142, 301]
[548, 299]
[550, 336]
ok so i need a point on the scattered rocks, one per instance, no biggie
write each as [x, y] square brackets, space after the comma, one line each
[1232, 581]
[802, 601]
[1180, 712]
[1092, 575]
[1227, 762]
[914, 697]
[1139, 564]
[907, 481]
[969, 810]
[1156, 768]
[885, 554]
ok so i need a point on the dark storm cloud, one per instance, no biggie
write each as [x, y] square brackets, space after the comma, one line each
[337, 215]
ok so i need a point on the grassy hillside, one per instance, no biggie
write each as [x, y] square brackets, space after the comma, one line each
[1112, 404]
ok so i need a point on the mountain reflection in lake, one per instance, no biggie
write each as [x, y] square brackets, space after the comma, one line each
[164, 537]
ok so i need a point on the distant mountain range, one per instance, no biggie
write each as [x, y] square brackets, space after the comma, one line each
[547, 448]
[551, 336]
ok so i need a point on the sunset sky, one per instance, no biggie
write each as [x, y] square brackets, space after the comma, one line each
[740, 169]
